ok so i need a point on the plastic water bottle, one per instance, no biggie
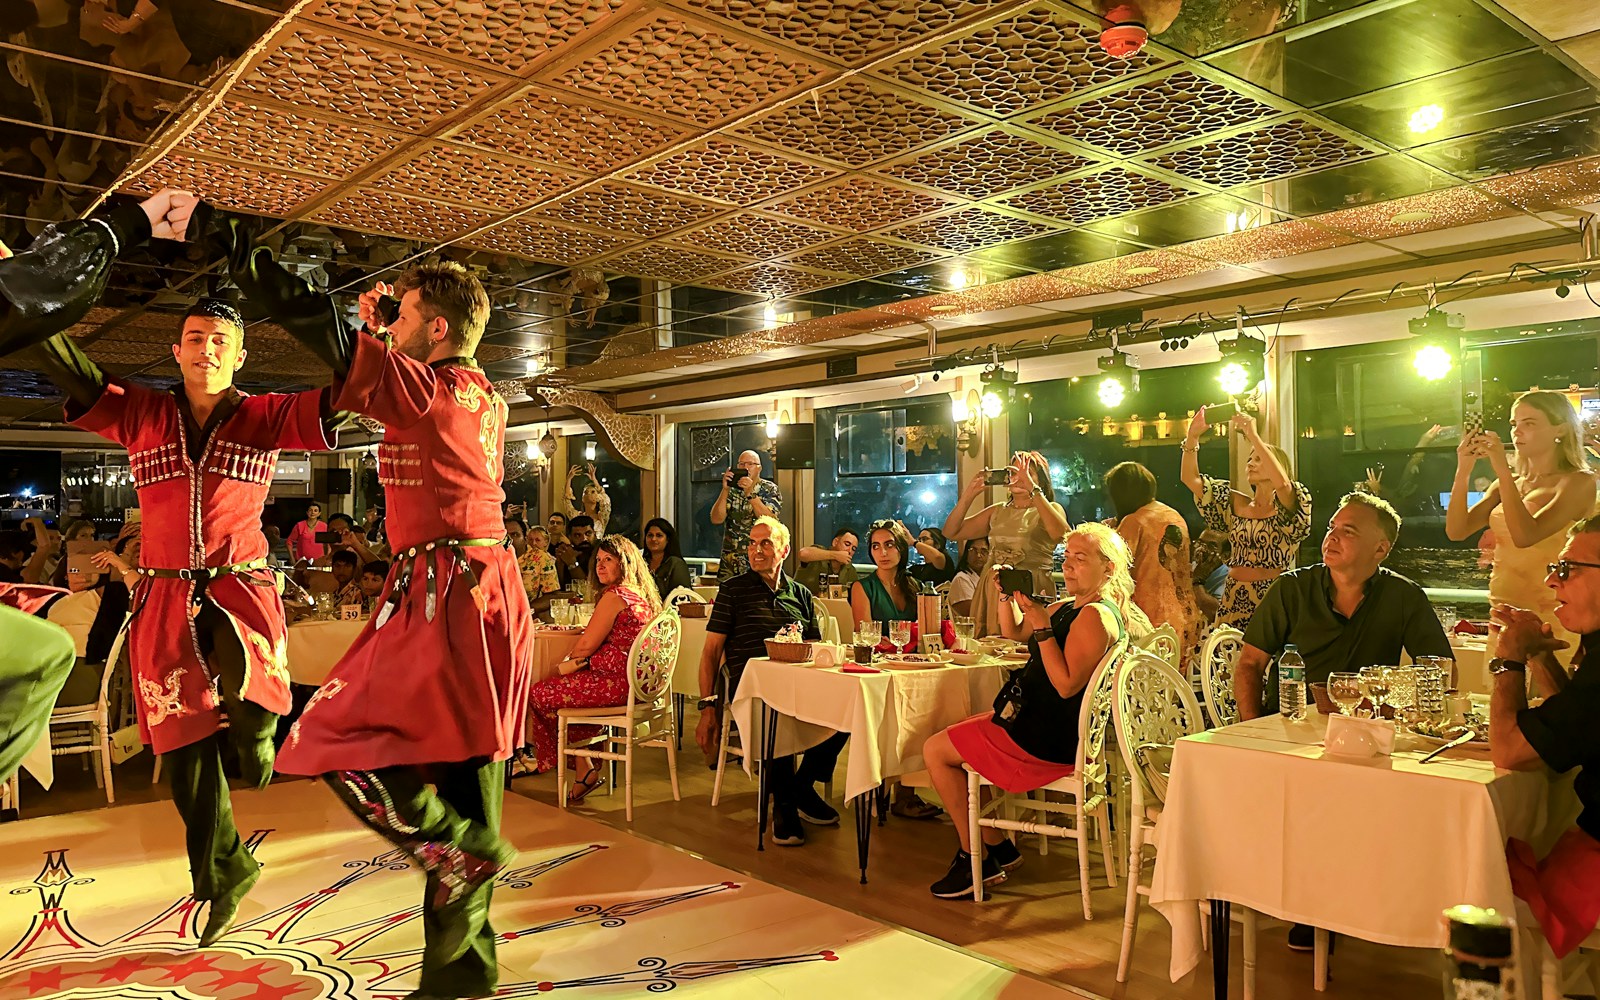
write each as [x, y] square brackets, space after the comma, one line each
[1292, 685]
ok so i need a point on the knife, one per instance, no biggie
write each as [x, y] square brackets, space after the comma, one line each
[1466, 737]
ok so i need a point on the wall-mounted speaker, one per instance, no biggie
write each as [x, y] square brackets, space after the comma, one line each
[329, 481]
[797, 446]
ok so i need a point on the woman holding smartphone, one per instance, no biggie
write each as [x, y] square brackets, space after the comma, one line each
[1265, 526]
[1022, 532]
[1536, 496]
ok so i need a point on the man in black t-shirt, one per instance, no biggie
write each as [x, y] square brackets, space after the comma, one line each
[750, 609]
[1561, 733]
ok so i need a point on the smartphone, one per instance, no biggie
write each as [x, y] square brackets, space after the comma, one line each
[79, 556]
[1015, 581]
[1472, 424]
[388, 309]
[738, 476]
[328, 538]
[1221, 413]
[997, 477]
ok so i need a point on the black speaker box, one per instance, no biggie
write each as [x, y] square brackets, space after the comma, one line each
[328, 481]
[797, 446]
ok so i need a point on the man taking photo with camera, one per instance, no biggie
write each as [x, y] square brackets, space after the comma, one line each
[745, 497]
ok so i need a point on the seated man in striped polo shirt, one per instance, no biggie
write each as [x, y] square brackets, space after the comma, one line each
[750, 609]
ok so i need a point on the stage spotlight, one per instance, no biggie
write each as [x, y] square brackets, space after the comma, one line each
[1243, 364]
[991, 405]
[1433, 362]
[1120, 377]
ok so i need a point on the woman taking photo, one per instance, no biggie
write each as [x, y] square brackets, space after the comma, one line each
[1535, 498]
[595, 674]
[1039, 744]
[1023, 532]
[663, 557]
[1264, 526]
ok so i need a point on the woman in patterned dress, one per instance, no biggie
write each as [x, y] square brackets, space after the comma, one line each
[595, 675]
[1264, 526]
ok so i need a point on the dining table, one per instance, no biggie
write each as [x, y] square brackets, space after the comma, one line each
[785, 708]
[1260, 814]
[315, 645]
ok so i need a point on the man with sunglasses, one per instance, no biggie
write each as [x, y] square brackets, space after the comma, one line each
[1561, 733]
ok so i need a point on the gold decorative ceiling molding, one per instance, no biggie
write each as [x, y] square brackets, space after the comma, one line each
[629, 436]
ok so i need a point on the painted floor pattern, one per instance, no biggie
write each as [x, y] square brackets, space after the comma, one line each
[95, 905]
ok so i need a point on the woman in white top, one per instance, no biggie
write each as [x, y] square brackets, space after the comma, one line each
[974, 557]
[1537, 495]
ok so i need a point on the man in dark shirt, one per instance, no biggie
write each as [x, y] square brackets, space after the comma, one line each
[750, 609]
[573, 555]
[1561, 733]
[1344, 613]
[13, 556]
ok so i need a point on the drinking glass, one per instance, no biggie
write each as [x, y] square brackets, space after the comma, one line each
[561, 612]
[1403, 693]
[964, 627]
[1447, 616]
[1430, 680]
[1375, 681]
[585, 612]
[900, 635]
[1344, 690]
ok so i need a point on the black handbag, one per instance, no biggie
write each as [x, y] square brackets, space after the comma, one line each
[1008, 703]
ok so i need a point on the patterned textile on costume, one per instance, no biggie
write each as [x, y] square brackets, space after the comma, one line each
[1258, 543]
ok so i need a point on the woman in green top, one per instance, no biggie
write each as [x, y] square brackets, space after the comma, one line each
[890, 594]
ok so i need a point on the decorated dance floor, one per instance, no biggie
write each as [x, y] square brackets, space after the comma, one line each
[95, 905]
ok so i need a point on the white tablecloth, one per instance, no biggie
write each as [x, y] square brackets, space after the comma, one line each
[1472, 664]
[549, 649]
[889, 715]
[691, 643]
[315, 647]
[1376, 850]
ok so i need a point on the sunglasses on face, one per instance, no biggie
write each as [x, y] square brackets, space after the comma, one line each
[1562, 568]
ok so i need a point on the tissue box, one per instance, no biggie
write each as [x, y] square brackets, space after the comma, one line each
[1348, 736]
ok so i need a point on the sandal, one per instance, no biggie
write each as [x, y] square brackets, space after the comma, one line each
[583, 786]
[913, 807]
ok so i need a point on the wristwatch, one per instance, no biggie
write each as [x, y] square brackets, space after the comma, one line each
[705, 703]
[1500, 665]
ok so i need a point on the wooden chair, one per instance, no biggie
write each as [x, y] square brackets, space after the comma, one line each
[1165, 642]
[1152, 708]
[647, 720]
[1219, 654]
[1088, 788]
[80, 729]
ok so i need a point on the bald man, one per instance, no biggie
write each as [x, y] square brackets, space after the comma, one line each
[745, 497]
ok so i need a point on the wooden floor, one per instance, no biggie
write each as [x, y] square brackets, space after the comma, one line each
[1032, 923]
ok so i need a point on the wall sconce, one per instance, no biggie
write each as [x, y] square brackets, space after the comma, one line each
[588, 450]
[966, 411]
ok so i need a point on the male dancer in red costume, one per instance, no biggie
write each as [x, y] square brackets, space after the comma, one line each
[207, 639]
[413, 726]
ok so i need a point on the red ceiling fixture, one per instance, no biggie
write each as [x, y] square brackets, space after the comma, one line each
[1124, 33]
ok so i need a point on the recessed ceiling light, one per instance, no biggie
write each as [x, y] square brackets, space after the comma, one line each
[1405, 217]
[946, 307]
[1141, 270]
[1426, 118]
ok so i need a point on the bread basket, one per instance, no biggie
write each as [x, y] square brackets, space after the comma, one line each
[788, 652]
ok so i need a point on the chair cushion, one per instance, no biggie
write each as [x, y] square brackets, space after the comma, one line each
[619, 711]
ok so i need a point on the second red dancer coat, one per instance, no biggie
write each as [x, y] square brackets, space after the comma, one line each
[442, 670]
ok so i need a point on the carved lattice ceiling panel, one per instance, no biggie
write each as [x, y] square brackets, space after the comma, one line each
[567, 133]
[507, 33]
[986, 165]
[674, 67]
[1018, 63]
[757, 235]
[669, 263]
[542, 241]
[855, 123]
[231, 186]
[859, 205]
[774, 279]
[363, 81]
[381, 211]
[474, 177]
[1261, 155]
[731, 172]
[968, 230]
[245, 134]
[864, 258]
[847, 31]
[1176, 108]
[1098, 196]
[625, 208]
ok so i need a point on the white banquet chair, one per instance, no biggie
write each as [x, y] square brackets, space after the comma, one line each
[1088, 787]
[1164, 641]
[1152, 707]
[1219, 654]
[647, 720]
[87, 728]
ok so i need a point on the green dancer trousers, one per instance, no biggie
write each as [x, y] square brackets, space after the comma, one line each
[35, 660]
[447, 818]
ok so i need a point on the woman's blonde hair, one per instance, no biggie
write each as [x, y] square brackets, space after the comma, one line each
[635, 571]
[1118, 588]
[1557, 409]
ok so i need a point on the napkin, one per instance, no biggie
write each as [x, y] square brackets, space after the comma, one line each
[1464, 627]
[1349, 736]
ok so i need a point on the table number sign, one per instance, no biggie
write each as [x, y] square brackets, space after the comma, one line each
[349, 612]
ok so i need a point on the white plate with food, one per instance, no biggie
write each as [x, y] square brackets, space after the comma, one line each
[1438, 736]
[913, 661]
[1015, 656]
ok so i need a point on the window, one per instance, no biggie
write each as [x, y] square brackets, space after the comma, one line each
[620, 479]
[885, 462]
[705, 452]
[1367, 419]
[1066, 422]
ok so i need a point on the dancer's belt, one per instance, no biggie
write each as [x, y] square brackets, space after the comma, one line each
[406, 561]
[203, 573]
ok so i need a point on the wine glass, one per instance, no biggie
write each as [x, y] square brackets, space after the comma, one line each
[1447, 616]
[1344, 690]
[900, 635]
[1375, 681]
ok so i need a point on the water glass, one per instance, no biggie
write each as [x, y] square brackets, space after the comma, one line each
[963, 627]
[1344, 690]
[900, 635]
[1375, 682]
[1403, 692]
[561, 612]
[865, 643]
[1447, 616]
[1430, 684]
[585, 612]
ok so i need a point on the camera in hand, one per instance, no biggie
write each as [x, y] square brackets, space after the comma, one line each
[328, 538]
[1019, 581]
[1221, 413]
[996, 477]
[388, 309]
[739, 476]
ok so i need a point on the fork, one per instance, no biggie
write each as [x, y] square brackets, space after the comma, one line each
[1466, 737]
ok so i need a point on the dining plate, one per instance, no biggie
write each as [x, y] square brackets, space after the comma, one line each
[912, 661]
[565, 629]
[1014, 657]
[1481, 742]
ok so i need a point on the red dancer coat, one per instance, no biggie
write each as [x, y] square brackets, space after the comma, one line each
[195, 516]
[442, 678]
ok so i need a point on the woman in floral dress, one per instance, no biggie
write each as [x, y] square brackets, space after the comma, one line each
[595, 675]
[1265, 526]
